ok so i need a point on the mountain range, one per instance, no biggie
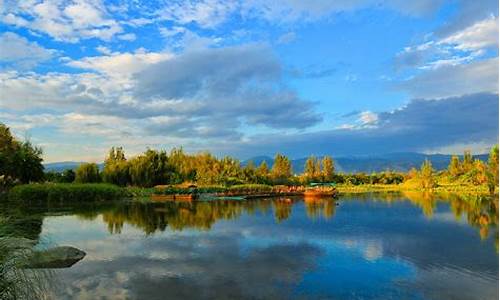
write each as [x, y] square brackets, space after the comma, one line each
[401, 162]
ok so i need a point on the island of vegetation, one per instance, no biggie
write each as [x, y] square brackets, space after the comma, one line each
[158, 172]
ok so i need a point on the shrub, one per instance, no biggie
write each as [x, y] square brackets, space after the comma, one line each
[251, 188]
[66, 192]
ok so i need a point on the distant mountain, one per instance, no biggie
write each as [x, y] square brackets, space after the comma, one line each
[64, 165]
[401, 162]
[61, 166]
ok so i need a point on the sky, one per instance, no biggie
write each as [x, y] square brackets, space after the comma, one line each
[250, 77]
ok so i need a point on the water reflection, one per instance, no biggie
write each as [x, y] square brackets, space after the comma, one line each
[480, 211]
[156, 217]
[392, 245]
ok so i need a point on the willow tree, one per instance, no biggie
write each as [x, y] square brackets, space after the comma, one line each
[116, 167]
[87, 173]
[150, 168]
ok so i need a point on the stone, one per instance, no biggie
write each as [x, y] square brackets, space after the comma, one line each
[58, 257]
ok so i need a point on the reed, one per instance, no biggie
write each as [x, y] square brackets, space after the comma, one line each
[57, 192]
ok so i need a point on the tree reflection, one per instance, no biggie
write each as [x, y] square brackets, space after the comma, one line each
[480, 210]
[156, 217]
[317, 208]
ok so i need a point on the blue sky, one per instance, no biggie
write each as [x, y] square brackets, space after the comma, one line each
[250, 77]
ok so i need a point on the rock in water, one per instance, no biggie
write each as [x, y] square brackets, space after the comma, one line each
[58, 257]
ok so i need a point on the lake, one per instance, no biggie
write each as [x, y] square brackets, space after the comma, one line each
[360, 246]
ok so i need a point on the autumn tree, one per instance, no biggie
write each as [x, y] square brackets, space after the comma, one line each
[311, 168]
[455, 168]
[263, 172]
[328, 168]
[468, 162]
[282, 169]
[426, 175]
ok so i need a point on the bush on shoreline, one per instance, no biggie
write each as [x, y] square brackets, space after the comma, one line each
[78, 192]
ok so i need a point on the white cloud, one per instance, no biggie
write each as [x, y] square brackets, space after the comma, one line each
[368, 118]
[63, 20]
[149, 98]
[458, 48]
[170, 32]
[103, 50]
[119, 64]
[206, 13]
[287, 38]
[17, 50]
[286, 11]
[454, 80]
[127, 37]
[482, 34]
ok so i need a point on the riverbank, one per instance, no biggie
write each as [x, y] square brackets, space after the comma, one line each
[50, 192]
[367, 188]
[57, 192]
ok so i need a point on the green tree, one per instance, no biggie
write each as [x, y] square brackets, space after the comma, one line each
[28, 163]
[250, 173]
[68, 176]
[87, 173]
[492, 173]
[20, 161]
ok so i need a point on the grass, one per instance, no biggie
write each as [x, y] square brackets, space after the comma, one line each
[55, 192]
[169, 190]
[363, 188]
[17, 281]
[455, 188]
[251, 188]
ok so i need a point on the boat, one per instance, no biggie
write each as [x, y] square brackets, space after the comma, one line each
[320, 190]
[320, 193]
[174, 197]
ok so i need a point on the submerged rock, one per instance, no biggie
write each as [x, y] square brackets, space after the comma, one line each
[58, 257]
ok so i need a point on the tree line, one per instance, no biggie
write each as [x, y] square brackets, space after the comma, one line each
[157, 167]
[21, 162]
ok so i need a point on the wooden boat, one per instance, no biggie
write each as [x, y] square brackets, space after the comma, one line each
[319, 193]
[320, 190]
[174, 197]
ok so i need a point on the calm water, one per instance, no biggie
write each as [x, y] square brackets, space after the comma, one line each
[369, 246]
